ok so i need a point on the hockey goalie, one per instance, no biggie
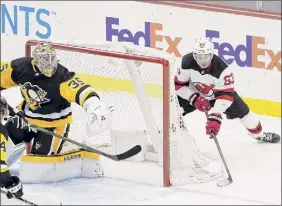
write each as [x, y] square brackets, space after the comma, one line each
[48, 89]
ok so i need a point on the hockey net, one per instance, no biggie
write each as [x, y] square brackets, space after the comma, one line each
[138, 83]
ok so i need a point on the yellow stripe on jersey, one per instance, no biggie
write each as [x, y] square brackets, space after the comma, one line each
[87, 92]
[3, 144]
[4, 168]
[75, 90]
[6, 76]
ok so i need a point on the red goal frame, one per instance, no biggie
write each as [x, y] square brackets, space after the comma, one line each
[166, 90]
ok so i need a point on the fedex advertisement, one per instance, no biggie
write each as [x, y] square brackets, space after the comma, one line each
[149, 35]
[250, 53]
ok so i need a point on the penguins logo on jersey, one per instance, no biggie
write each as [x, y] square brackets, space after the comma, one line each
[33, 95]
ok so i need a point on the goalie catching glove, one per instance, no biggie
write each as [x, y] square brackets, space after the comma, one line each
[99, 116]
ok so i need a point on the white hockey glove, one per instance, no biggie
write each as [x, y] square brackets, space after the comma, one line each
[99, 116]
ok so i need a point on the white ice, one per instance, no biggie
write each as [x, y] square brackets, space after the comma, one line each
[255, 167]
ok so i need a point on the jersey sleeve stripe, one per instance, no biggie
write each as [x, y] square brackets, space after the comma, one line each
[177, 81]
[77, 96]
[178, 84]
[4, 168]
[84, 94]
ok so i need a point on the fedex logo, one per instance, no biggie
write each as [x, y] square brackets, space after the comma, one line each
[252, 49]
[149, 35]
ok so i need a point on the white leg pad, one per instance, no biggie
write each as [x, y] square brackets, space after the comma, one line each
[73, 164]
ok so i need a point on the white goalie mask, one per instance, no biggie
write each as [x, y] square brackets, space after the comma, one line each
[203, 52]
[45, 59]
[4, 112]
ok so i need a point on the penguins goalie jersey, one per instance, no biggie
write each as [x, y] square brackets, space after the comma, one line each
[47, 100]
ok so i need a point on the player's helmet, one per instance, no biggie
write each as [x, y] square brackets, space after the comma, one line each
[203, 52]
[3, 108]
[45, 59]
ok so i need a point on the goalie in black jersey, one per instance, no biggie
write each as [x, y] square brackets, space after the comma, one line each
[11, 183]
[48, 88]
[204, 82]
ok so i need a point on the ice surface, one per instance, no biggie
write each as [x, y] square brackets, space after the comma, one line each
[255, 167]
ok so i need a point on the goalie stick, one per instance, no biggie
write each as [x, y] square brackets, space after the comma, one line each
[20, 199]
[224, 181]
[129, 153]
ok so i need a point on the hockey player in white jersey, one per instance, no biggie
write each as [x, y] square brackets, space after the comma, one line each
[205, 82]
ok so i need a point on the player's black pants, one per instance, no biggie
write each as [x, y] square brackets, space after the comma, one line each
[238, 108]
[42, 144]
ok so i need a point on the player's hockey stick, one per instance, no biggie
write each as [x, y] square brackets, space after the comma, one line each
[20, 199]
[129, 153]
[228, 180]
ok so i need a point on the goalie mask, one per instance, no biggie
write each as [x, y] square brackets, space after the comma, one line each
[203, 52]
[3, 108]
[45, 59]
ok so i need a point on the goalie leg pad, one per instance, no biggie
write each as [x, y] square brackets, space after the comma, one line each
[72, 164]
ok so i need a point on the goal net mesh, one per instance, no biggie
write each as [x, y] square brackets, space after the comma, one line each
[114, 79]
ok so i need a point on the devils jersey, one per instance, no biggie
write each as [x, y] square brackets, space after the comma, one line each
[47, 100]
[215, 82]
[5, 176]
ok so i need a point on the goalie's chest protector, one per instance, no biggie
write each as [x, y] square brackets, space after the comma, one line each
[41, 93]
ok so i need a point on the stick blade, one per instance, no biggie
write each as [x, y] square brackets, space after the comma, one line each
[133, 151]
[224, 182]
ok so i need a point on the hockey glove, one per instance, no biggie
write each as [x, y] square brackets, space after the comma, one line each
[15, 189]
[99, 116]
[20, 122]
[200, 103]
[213, 124]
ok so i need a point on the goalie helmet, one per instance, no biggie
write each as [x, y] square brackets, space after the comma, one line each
[203, 52]
[45, 59]
[3, 108]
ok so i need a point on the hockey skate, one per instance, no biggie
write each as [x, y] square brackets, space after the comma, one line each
[269, 137]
